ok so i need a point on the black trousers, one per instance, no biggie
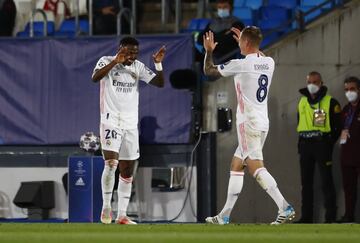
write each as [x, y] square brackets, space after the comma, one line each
[350, 176]
[317, 152]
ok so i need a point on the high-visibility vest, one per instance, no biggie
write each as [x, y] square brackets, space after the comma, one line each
[306, 115]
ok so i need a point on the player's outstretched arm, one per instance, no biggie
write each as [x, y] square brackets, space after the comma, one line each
[210, 69]
[158, 57]
[120, 58]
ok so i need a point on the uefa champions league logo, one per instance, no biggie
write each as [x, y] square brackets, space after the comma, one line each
[80, 170]
[79, 164]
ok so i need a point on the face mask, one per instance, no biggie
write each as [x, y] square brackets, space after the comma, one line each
[223, 13]
[312, 88]
[351, 96]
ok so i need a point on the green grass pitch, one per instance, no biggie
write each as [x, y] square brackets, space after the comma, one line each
[184, 233]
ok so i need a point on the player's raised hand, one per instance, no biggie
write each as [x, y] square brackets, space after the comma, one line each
[159, 55]
[208, 40]
[122, 55]
[237, 33]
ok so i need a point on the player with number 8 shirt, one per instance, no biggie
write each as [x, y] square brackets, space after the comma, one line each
[252, 79]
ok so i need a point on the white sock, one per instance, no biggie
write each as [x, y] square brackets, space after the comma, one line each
[107, 181]
[124, 193]
[236, 182]
[268, 183]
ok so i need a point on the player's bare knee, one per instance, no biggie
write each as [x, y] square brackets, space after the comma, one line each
[237, 164]
[265, 180]
[126, 168]
[112, 163]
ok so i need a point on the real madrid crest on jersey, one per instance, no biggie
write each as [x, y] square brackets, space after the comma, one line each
[102, 64]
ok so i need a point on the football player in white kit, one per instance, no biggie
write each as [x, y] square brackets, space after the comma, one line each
[119, 78]
[252, 78]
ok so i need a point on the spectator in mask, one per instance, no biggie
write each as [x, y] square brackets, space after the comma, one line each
[350, 144]
[227, 47]
[319, 127]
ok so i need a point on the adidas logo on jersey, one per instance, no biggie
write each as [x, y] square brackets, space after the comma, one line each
[80, 182]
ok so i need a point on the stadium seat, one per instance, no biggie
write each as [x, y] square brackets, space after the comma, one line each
[38, 29]
[203, 23]
[196, 25]
[68, 28]
[239, 3]
[289, 4]
[245, 15]
[313, 3]
[269, 24]
[311, 15]
[274, 12]
[270, 38]
[254, 4]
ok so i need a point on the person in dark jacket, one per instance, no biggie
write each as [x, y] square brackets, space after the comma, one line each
[319, 127]
[221, 26]
[105, 17]
[350, 145]
[7, 17]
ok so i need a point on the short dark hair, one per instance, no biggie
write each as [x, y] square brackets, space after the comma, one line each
[352, 79]
[252, 33]
[225, 1]
[129, 41]
[313, 73]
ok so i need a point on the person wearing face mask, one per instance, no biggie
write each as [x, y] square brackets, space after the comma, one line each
[221, 26]
[319, 127]
[350, 144]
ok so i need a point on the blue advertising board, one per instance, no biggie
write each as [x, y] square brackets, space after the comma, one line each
[85, 200]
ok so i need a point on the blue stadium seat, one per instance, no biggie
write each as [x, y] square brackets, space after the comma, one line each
[203, 23]
[269, 39]
[254, 4]
[196, 25]
[192, 26]
[274, 12]
[268, 24]
[311, 15]
[38, 29]
[289, 4]
[239, 3]
[68, 28]
[243, 13]
[312, 3]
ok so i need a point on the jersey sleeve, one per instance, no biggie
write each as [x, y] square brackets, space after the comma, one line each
[230, 68]
[145, 73]
[100, 64]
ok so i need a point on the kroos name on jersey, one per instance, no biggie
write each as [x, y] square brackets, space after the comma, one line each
[261, 67]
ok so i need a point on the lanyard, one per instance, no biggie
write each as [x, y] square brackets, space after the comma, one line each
[349, 117]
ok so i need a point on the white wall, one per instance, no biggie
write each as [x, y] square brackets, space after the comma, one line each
[151, 205]
[11, 179]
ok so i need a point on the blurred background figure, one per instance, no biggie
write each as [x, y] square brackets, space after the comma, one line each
[350, 144]
[221, 26]
[7, 17]
[105, 15]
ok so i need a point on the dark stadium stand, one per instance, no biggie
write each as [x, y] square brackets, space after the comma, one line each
[276, 18]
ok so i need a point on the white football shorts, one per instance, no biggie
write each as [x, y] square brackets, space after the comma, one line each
[122, 141]
[251, 142]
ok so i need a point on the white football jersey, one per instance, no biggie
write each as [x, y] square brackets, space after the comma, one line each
[119, 92]
[252, 78]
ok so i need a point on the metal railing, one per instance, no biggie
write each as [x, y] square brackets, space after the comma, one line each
[32, 16]
[130, 14]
